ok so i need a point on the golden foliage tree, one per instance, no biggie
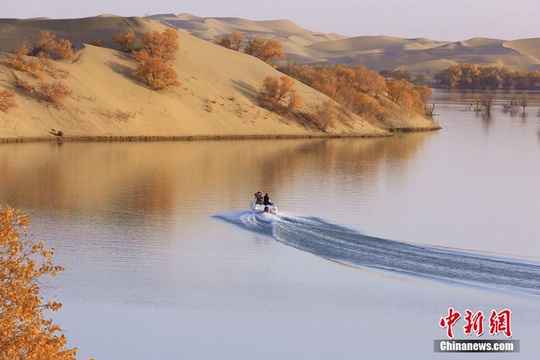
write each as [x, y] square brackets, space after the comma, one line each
[366, 106]
[155, 72]
[397, 89]
[280, 95]
[231, 41]
[408, 95]
[163, 45]
[157, 49]
[25, 332]
[55, 92]
[20, 49]
[268, 50]
[325, 114]
[47, 46]
[355, 88]
[126, 40]
[7, 100]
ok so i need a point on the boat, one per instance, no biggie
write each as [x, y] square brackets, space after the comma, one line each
[271, 208]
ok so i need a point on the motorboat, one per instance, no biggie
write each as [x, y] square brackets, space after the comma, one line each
[271, 208]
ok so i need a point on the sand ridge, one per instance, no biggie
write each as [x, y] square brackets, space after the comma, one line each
[218, 95]
[217, 98]
[377, 52]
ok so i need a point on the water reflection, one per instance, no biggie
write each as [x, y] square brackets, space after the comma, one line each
[124, 179]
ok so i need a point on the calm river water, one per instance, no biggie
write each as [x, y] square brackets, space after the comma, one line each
[163, 260]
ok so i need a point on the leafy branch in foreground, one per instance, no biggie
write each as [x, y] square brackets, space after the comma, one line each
[26, 333]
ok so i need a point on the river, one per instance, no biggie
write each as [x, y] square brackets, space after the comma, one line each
[164, 261]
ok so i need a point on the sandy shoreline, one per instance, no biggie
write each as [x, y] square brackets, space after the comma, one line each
[142, 138]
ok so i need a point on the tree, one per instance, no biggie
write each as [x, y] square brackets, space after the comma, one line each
[252, 44]
[231, 41]
[155, 72]
[54, 93]
[163, 45]
[126, 40]
[421, 78]
[270, 51]
[367, 107]
[26, 333]
[157, 49]
[368, 81]
[267, 50]
[279, 94]
[399, 74]
[325, 114]
[397, 89]
[46, 46]
[20, 50]
[7, 100]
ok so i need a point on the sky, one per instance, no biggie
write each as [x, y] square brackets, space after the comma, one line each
[451, 20]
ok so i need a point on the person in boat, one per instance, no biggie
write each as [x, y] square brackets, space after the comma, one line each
[266, 200]
[258, 198]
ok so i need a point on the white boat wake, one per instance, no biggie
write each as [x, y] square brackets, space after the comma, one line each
[350, 247]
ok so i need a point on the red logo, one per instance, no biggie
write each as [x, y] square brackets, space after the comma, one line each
[499, 322]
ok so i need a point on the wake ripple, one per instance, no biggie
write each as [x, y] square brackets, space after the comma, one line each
[350, 247]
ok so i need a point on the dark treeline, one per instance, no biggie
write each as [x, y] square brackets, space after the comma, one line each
[471, 76]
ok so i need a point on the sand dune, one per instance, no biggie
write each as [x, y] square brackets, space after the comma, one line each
[379, 52]
[217, 95]
[525, 46]
[218, 92]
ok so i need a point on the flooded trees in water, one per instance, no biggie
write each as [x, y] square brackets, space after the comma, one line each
[484, 102]
[513, 104]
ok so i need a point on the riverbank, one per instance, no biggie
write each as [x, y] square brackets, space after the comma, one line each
[198, 138]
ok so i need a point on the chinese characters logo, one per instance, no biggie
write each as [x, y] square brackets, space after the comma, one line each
[499, 322]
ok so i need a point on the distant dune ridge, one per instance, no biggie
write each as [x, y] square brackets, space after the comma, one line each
[218, 95]
[376, 52]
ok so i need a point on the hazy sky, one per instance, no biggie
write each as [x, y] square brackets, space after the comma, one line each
[434, 19]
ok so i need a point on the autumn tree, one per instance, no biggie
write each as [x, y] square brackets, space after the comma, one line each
[163, 45]
[366, 106]
[398, 74]
[408, 95]
[280, 95]
[421, 78]
[20, 50]
[233, 41]
[55, 92]
[472, 76]
[325, 114]
[25, 332]
[397, 90]
[368, 81]
[47, 46]
[157, 49]
[7, 100]
[155, 72]
[268, 50]
[126, 40]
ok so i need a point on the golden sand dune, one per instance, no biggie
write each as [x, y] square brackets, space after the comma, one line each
[377, 52]
[218, 95]
[525, 46]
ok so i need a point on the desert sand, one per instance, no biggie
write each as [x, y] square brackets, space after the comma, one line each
[217, 97]
[375, 52]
